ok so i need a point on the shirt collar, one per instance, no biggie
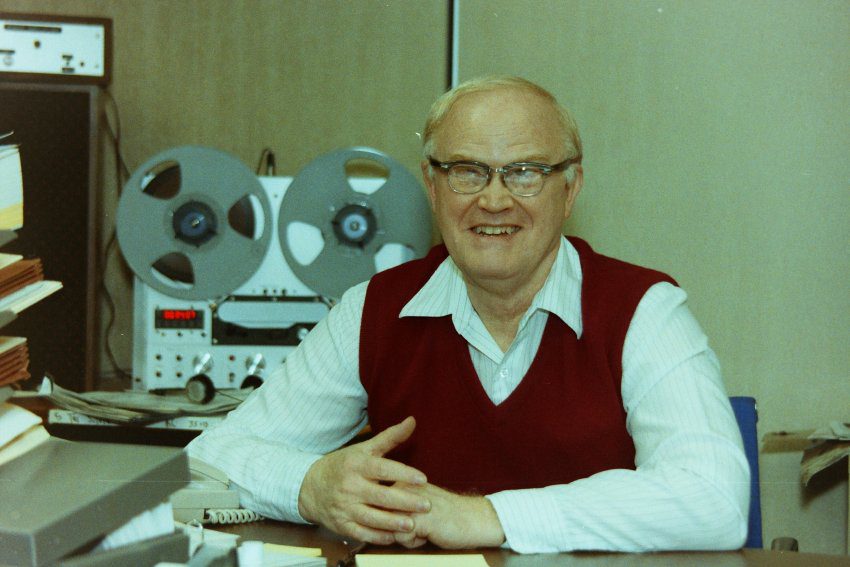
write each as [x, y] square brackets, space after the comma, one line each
[445, 292]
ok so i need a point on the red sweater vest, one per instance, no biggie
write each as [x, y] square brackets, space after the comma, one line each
[563, 422]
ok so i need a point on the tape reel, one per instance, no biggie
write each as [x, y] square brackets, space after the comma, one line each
[194, 223]
[355, 226]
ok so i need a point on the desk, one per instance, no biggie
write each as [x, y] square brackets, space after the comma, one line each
[333, 549]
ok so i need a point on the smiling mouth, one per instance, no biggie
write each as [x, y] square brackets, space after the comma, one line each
[495, 230]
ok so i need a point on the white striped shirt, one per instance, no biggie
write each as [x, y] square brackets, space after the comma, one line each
[691, 486]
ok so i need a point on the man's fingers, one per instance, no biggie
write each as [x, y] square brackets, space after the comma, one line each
[388, 470]
[394, 498]
[366, 534]
[378, 519]
[390, 438]
[409, 540]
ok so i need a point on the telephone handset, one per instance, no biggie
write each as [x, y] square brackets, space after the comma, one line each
[209, 498]
[204, 472]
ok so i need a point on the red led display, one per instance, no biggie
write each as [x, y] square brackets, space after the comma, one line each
[179, 314]
[179, 319]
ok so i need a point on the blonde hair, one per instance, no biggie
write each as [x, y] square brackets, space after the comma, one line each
[441, 107]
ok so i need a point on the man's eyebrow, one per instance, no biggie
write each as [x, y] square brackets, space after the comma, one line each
[535, 158]
[461, 157]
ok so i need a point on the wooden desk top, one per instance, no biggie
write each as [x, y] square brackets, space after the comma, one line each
[334, 549]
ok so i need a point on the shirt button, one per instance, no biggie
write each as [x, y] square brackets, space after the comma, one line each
[503, 373]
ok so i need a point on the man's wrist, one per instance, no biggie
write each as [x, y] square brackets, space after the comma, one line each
[305, 501]
[486, 526]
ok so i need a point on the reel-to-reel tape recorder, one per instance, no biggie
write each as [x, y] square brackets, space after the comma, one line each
[232, 270]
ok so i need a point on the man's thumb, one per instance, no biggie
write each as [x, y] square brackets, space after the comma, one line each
[392, 437]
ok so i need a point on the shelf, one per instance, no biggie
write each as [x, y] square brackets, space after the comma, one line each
[6, 317]
[7, 236]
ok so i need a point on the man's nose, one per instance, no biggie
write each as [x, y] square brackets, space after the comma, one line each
[495, 196]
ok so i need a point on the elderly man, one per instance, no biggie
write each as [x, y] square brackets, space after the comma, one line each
[523, 389]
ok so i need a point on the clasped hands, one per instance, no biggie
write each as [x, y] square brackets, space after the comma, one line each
[358, 493]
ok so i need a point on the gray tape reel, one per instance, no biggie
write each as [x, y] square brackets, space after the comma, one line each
[193, 221]
[354, 226]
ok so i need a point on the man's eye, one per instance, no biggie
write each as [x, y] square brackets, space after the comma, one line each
[467, 172]
[525, 174]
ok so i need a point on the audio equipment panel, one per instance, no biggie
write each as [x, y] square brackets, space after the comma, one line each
[67, 49]
[233, 270]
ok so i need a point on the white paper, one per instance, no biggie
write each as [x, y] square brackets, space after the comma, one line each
[14, 420]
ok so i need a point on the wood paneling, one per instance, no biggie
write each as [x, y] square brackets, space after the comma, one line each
[716, 147]
[299, 77]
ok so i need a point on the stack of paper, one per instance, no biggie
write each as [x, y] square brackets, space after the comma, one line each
[14, 360]
[20, 431]
[15, 275]
[18, 273]
[137, 408]
[11, 189]
[831, 444]
[22, 283]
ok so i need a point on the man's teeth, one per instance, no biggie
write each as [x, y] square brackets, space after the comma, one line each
[493, 230]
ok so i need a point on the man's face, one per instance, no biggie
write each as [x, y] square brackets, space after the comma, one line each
[494, 236]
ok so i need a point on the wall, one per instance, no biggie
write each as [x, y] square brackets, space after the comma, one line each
[300, 77]
[716, 146]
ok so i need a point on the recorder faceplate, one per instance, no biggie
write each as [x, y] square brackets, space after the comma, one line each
[232, 270]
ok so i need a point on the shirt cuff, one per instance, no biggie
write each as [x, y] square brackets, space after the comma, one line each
[282, 486]
[526, 518]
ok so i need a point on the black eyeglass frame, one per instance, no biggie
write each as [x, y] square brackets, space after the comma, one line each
[544, 167]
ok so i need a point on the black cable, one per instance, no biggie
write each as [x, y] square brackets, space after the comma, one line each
[122, 173]
[266, 164]
[112, 310]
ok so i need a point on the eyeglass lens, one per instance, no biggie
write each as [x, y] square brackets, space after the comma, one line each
[471, 178]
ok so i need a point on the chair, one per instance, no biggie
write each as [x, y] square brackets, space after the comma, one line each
[746, 414]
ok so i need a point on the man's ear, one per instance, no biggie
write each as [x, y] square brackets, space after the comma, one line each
[430, 185]
[573, 189]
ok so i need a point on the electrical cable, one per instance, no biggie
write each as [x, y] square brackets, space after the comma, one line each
[122, 173]
[231, 516]
[266, 159]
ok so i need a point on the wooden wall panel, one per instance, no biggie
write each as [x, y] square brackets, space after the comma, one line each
[300, 77]
[714, 150]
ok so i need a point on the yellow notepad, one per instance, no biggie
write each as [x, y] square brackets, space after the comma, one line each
[292, 550]
[413, 560]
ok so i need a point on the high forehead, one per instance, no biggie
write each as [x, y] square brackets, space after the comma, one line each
[503, 100]
[503, 116]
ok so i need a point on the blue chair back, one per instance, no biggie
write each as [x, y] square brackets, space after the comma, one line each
[747, 416]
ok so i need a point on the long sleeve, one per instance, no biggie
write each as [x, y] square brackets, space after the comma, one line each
[690, 489]
[311, 405]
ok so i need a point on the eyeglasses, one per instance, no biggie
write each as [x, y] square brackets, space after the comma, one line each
[524, 179]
